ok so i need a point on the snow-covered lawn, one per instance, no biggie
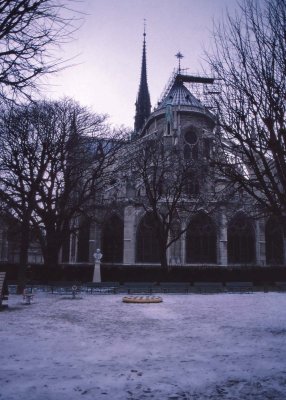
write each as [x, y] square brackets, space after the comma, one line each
[221, 346]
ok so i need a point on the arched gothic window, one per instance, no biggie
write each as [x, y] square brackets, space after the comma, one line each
[191, 147]
[201, 240]
[207, 147]
[241, 240]
[191, 152]
[187, 152]
[168, 128]
[112, 240]
[192, 186]
[274, 242]
[175, 251]
[147, 245]
[191, 137]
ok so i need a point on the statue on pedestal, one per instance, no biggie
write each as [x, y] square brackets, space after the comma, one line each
[96, 274]
[97, 256]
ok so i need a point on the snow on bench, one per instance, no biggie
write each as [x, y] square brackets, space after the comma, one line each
[174, 287]
[101, 287]
[208, 287]
[62, 289]
[138, 287]
[65, 288]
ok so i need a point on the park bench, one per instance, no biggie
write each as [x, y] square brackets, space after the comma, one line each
[65, 288]
[208, 287]
[101, 287]
[3, 294]
[239, 287]
[174, 287]
[138, 287]
[280, 286]
[12, 288]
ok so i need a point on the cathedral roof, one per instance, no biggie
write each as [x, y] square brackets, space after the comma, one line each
[180, 95]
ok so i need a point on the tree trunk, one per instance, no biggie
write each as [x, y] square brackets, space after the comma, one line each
[52, 248]
[163, 259]
[163, 253]
[23, 261]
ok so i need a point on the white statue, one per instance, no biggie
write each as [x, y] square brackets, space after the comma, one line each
[97, 256]
[96, 274]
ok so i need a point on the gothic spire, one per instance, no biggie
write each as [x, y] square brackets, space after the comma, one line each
[143, 104]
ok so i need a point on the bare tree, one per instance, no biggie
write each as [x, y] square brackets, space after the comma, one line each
[30, 30]
[249, 57]
[55, 159]
[168, 186]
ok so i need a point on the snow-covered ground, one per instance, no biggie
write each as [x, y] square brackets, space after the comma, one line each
[221, 346]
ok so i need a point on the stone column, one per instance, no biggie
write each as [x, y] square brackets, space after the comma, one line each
[129, 235]
[222, 240]
[260, 242]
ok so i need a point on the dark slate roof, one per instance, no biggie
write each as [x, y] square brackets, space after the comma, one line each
[180, 95]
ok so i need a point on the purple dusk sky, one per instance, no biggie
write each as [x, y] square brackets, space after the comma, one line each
[108, 46]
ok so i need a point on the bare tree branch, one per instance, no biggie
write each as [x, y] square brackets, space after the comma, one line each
[55, 160]
[249, 57]
[168, 186]
[30, 31]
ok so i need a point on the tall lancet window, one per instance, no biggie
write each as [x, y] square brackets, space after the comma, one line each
[201, 240]
[241, 240]
[147, 245]
[274, 242]
[112, 240]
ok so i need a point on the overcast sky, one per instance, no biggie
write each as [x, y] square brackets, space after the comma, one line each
[108, 46]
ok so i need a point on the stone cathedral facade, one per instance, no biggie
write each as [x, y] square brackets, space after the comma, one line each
[227, 237]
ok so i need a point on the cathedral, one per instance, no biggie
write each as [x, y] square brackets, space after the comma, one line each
[226, 235]
[215, 233]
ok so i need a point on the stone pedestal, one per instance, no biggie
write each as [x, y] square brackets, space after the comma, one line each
[222, 242]
[129, 235]
[96, 273]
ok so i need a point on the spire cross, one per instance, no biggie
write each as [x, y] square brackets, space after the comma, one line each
[179, 56]
[144, 34]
